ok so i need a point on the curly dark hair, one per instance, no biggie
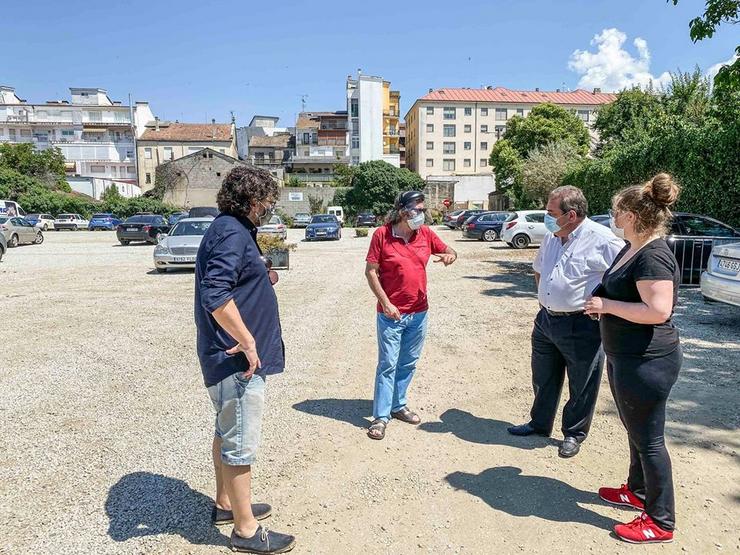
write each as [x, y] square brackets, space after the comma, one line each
[244, 185]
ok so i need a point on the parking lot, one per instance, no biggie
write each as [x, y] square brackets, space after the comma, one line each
[105, 442]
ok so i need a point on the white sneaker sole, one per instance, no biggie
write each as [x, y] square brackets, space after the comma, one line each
[630, 505]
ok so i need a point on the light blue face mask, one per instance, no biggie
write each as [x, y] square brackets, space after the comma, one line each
[551, 223]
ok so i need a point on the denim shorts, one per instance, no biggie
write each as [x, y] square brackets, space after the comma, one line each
[239, 405]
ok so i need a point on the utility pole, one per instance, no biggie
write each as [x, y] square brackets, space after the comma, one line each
[303, 102]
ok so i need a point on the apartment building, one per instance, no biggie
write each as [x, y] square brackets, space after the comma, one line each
[96, 135]
[402, 143]
[259, 126]
[320, 144]
[374, 112]
[452, 131]
[164, 141]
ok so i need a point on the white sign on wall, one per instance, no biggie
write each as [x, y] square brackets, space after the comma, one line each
[295, 197]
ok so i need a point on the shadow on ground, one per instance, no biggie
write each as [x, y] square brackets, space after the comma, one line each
[145, 504]
[511, 279]
[507, 490]
[486, 431]
[352, 411]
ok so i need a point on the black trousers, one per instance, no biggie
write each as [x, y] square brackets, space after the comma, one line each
[641, 387]
[563, 344]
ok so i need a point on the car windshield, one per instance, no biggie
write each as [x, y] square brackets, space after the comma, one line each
[140, 219]
[3, 220]
[324, 219]
[33, 216]
[275, 220]
[190, 228]
[302, 215]
[66, 216]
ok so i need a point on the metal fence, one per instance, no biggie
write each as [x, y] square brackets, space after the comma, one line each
[692, 254]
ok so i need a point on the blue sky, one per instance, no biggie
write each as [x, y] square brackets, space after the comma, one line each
[195, 60]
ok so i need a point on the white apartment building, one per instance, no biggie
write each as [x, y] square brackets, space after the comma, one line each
[452, 131]
[96, 135]
[372, 125]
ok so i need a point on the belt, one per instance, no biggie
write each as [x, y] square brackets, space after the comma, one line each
[555, 313]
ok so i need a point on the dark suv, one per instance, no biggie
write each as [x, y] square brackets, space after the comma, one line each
[147, 228]
[366, 218]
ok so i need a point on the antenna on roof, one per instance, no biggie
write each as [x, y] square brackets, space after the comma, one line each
[303, 102]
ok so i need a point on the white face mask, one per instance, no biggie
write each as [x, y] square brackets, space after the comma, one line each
[618, 231]
[417, 221]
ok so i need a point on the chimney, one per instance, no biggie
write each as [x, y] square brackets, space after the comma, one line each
[489, 87]
[557, 90]
[431, 90]
[156, 123]
[213, 129]
[536, 89]
[597, 90]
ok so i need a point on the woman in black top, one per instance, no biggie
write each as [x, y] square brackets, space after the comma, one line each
[635, 302]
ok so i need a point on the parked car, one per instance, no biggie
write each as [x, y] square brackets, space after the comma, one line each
[523, 228]
[485, 226]
[70, 222]
[176, 217]
[203, 212]
[463, 216]
[337, 211]
[366, 218]
[274, 227]
[691, 239]
[45, 222]
[450, 218]
[3, 246]
[179, 247]
[721, 281]
[302, 219]
[104, 221]
[142, 228]
[324, 226]
[19, 231]
[11, 209]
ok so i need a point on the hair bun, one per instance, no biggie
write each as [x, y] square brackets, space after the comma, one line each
[663, 190]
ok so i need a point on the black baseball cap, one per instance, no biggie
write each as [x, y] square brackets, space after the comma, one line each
[409, 198]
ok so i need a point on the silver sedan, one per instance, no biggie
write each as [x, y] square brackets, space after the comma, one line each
[19, 231]
[179, 247]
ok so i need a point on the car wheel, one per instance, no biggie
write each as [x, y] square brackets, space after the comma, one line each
[74, 228]
[520, 241]
[46, 227]
[161, 270]
[124, 242]
[490, 235]
[13, 243]
[39, 238]
[2, 252]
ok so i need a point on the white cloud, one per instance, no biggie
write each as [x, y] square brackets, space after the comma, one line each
[716, 67]
[611, 67]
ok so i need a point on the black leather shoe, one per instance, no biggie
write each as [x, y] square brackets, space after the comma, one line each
[260, 511]
[263, 541]
[569, 447]
[526, 430]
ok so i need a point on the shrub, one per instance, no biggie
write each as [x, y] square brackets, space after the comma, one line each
[269, 243]
[361, 232]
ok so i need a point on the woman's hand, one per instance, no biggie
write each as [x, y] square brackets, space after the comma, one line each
[596, 305]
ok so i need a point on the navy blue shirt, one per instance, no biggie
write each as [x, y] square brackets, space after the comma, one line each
[229, 266]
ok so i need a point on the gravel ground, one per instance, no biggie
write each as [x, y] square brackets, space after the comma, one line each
[106, 425]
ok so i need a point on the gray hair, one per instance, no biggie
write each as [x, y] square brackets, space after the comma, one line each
[394, 216]
[571, 198]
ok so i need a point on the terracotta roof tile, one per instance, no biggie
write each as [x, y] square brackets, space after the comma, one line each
[503, 95]
[200, 132]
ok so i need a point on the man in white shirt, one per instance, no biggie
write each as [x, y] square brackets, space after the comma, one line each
[569, 265]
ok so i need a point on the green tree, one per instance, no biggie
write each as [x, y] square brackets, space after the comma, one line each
[375, 186]
[629, 117]
[316, 204]
[112, 195]
[293, 181]
[45, 165]
[545, 168]
[343, 175]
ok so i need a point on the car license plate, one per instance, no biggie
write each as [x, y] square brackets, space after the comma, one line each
[184, 259]
[131, 229]
[321, 233]
[729, 265]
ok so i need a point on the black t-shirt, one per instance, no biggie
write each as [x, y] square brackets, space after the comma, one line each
[655, 261]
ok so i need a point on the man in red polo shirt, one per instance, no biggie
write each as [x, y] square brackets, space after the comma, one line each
[396, 271]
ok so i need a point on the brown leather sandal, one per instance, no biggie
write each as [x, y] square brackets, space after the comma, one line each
[377, 429]
[405, 415]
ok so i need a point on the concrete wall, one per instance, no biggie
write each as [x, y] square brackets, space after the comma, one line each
[371, 118]
[197, 180]
[295, 199]
[95, 187]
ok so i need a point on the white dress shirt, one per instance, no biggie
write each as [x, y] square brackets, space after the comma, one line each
[570, 272]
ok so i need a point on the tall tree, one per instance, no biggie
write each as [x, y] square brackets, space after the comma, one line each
[45, 165]
[376, 184]
[544, 168]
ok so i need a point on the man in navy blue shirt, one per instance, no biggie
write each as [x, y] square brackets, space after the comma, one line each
[239, 344]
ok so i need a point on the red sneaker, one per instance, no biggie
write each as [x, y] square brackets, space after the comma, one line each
[642, 530]
[621, 496]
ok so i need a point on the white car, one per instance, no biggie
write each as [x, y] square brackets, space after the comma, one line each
[275, 227]
[523, 228]
[179, 247]
[43, 221]
[721, 281]
[72, 222]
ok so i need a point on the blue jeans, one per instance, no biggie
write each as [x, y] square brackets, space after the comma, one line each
[399, 348]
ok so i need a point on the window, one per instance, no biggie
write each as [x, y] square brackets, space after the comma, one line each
[430, 110]
[430, 162]
[448, 165]
[354, 108]
[468, 111]
[97, 169]
[483, 162]
[68, 133]
[355, 142]
[448, 131]
[468, 128]
[448, 148]
[148, 179]
[148, 153]
[484, 145]
[535, 218]
[500, 130]
[11, 133]
[355, 160]
[500, 114]
[520, 112]
[467, 145]
[306, 138]
[129, 154]
[430, 128]
[704, 227]
[95, 116]
[168, 153]
[466, 163]
[448, 112]
[484, 129]
[484, 111]
[430, 145]
[583, 115]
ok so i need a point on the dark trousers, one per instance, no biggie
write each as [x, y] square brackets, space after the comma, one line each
[641, 387]
[563, 344]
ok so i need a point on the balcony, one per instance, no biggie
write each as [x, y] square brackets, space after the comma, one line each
[320, 159]
[272, 163]
[313, 177]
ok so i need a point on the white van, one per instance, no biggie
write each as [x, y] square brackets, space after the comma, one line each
[11, 209]
[337, 211]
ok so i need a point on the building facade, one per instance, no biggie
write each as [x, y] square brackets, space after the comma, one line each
[372, 129]
[96, 135]
[164, 141]
[320, 144]
[271, 152]
[452, 131]
[259, 126]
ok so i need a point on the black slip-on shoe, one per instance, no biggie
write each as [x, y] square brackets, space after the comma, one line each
[263, 541]
[260, 511]
[569, 447]
[526, 430]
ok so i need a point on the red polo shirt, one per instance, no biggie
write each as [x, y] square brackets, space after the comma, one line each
[403, 274]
